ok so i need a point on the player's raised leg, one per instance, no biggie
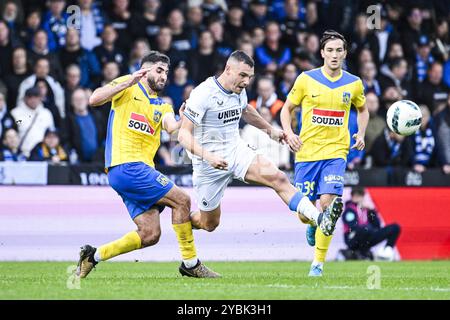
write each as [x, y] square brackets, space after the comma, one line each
[263, 171]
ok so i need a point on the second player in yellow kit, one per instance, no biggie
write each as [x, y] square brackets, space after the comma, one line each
[325, 95]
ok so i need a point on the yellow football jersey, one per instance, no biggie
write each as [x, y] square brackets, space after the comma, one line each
[134, 125]
[325, 103]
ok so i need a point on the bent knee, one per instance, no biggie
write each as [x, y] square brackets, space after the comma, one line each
[149, 237]
[211, 226]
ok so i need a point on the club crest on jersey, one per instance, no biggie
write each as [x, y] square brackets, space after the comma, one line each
[139, 123]
[346, 97]
[330, 118]
[157, 116]
[163, 180]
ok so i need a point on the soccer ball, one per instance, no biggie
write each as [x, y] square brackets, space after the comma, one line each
[404, 117]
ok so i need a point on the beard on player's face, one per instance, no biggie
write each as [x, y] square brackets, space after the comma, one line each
[155, 85]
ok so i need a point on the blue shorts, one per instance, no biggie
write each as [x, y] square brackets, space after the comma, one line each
[320, 177]
[139, 185]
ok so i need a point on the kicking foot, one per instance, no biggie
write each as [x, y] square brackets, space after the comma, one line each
[311, 235]
[199, 271]
[87, 261]
[328, 218]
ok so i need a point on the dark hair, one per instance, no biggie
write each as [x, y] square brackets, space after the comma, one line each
[331, 35]
[395, 62]
[241, 56]
[154, 57]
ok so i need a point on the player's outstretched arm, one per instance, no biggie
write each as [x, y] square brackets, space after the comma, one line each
[252, 117]
[285, 116]
[104, 94]
[187, 140]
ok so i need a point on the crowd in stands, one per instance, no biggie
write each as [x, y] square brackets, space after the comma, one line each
[51, 61]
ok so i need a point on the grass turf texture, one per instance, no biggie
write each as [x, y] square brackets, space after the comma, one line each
[241, 280]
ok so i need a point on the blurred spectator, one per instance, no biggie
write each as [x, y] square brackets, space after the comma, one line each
[73, 53]
[49, 149]
[195, 22]
[92, 24]
[33, 23]
[32, 120]
[412, 32]
[221, 46]
[355, 157]
[390, 95]
[84, 128]
[312, 48]
[396, 76]
[54, 22]
[272, 54]
[139, 50]
[6, 120]
[247, 47]
[433, 92]
[423, 142]
[292, 25]
[164, 45]
[267, 98]
[176, 86]
[10, 150]
[276, 152]
[181, 37]
[363, 230]
[187, 91]
[12, 16]
[204, 61]
[257, 37]
[146, 24]
[5, 49]
[17, 75]
[108, 51]
[234, 24]
[40, 50]
[360, 37]
[214, 9]
[41, 71]
[391, 149]
[442, 135]
[442, 40]
[368, 76]
[395, 50]
[257, 16]
[380, 39]
[423, 59]
[72, 82]
[120, 18]
[288, 76]
[48, 100]
[376, 123]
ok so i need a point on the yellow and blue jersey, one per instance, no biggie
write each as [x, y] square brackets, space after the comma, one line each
[134, 125]
[325, 103]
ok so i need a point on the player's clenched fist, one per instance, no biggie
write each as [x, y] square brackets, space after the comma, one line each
[294, 142]
[278, 135]
[217, 162]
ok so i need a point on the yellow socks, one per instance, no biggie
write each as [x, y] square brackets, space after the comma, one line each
[322, 244]
[186, 241]
[129, 242]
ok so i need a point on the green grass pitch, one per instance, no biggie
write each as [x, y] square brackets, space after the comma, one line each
[241, 280]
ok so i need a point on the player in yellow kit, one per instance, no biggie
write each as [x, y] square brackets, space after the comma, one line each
[135, 122]
[325, 95]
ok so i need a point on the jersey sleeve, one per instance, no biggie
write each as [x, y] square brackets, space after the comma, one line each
[196, 105]
[359, 98]
[297, 92]
[115, 82]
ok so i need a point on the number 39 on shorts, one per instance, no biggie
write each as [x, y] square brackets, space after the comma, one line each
[306, 187]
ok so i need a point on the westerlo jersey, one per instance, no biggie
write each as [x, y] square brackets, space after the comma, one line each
[215, 112]
[326, 104]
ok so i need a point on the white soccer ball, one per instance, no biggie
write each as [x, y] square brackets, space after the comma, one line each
[404, 117]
